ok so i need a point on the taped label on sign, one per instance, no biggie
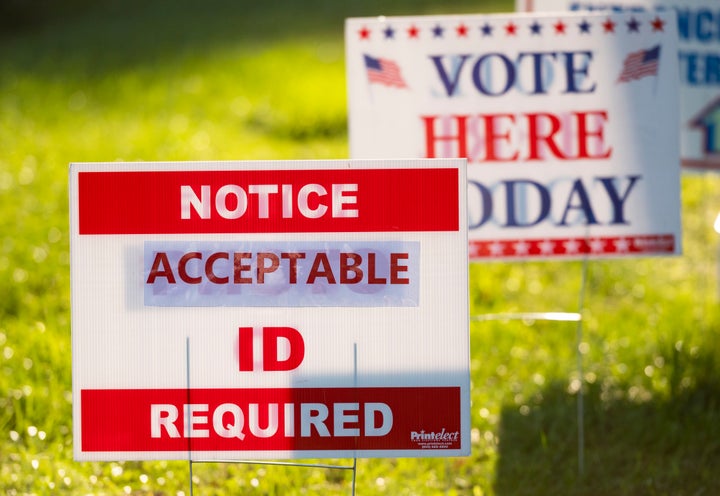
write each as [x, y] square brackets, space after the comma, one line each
[250, 274]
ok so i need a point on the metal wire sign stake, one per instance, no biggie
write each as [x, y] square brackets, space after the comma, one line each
[269, 463]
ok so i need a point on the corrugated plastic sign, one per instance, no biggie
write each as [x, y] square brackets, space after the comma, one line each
[569, 123]
[244, 310]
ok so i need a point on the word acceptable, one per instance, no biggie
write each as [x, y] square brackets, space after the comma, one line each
[281, 273]
[252, 268]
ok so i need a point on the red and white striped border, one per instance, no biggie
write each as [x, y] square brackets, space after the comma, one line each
[600, 246]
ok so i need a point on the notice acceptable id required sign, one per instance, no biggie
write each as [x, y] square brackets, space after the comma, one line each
[286, 309]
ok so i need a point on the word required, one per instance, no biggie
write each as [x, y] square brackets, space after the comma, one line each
[231, 420]
[233, 201]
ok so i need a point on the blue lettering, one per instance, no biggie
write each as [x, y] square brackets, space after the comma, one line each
[483, 86]
[538, 69]
[510, 200]
[485, 201]
[690, 61]
[604, 6]
[712, 69]
[584, 205]
[618, 200]
[683, 23]
[495, 74]
[698, 69]
[702, 25]
[703, 22]
[524, 203]
[458, 61]
[575, 75]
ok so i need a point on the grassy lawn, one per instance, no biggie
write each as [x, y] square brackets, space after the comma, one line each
[221, 80]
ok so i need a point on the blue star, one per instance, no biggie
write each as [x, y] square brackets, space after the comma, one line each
[535, 28]
[633, 26]
[584, 26]
[389, 33]
[438, 31]
[486, 29]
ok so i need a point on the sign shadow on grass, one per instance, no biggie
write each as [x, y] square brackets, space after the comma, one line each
[636, 442]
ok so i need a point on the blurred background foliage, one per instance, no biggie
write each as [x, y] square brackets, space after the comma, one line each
[230, 80]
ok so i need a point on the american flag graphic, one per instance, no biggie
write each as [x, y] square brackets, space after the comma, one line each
[384, 71]
[640, 64]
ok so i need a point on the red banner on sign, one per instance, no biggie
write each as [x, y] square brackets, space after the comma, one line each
[282, 419]
[650, 244]
[275, 201]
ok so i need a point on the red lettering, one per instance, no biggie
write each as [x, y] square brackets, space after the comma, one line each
[396, 268]
[584, 134]
[296, 348]
[292, 259]
[245, 349]
[536, 135]
[325, 271]
[182, 267]
[460, 137]
[256, 267]
[263, 269]
[239, 268]
[271, 359]
[372, 278]
[492, 136]
[505, 137]
[161, 258]
[209, 268]
[350, 263]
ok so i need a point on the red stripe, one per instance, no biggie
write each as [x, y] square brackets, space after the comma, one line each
[121, 419]
[148, 202]
[658, 244]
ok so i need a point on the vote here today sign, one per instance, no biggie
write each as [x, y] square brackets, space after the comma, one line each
[569, 123]
[289, 309]
[698, 58]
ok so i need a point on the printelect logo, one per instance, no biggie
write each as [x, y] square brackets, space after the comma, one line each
[440, 439]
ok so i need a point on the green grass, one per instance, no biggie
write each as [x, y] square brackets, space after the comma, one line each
[265, 80]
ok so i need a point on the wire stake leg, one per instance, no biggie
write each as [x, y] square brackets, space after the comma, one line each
[580, 396]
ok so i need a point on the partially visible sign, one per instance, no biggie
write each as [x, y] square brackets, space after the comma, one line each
[569, 123]
[699, 59]
[236, 310]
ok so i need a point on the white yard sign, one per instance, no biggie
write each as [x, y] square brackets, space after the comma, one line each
[234, 310]
[699, 59]
[568, 122]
